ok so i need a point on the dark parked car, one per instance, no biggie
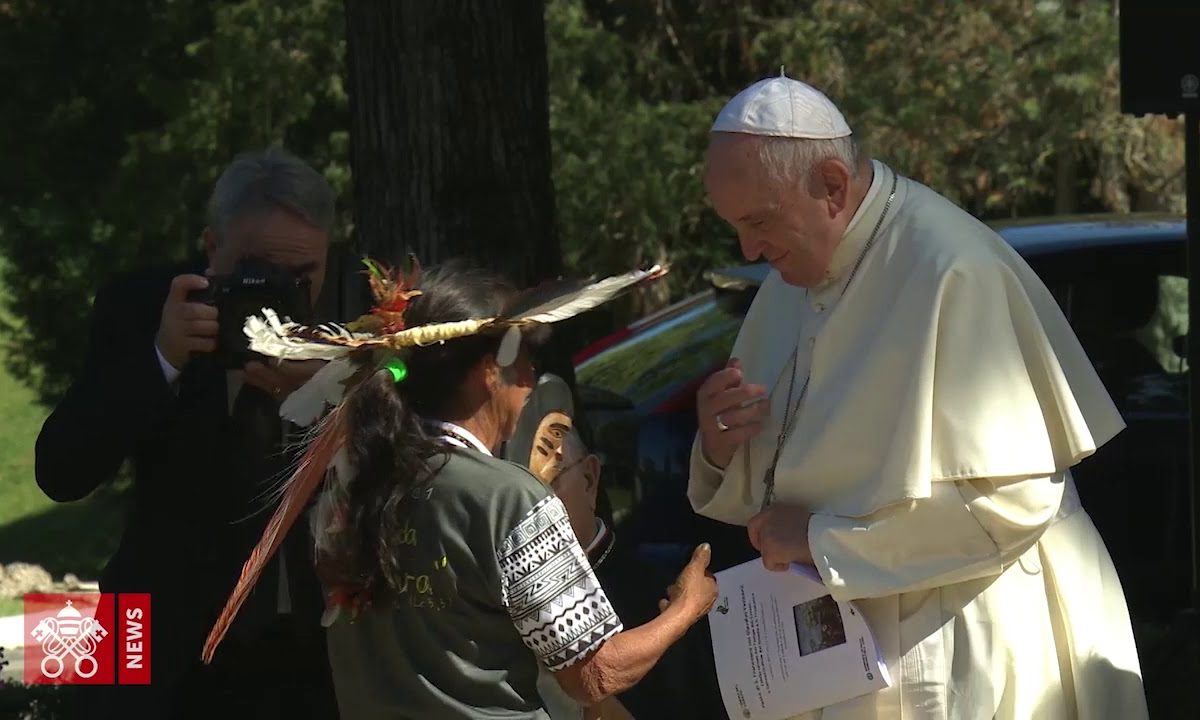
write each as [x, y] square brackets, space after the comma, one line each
[1120, 280]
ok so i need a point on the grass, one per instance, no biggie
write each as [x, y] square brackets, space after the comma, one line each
[75, 537]
[10, 606]
[23, 416]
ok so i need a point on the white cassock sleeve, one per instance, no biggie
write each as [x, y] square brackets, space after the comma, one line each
[704, 478]
[965, 530]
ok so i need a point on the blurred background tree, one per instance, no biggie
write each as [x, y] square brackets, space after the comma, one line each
[450, 135]
[117, 121]
[118, 118]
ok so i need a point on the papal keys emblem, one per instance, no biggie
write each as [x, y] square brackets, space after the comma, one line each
[69, 634]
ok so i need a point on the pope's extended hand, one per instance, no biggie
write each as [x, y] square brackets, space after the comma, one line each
[728, 412]
[780, 534]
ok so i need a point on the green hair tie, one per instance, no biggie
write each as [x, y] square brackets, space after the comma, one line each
[397, 368]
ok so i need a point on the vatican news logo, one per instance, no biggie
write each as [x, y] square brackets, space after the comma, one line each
[87, 639]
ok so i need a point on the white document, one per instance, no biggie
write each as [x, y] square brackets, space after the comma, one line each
[783, 646]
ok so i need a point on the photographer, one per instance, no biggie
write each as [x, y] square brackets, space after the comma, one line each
[167, 385]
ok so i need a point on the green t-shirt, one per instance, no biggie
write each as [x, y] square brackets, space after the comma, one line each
[495, 582]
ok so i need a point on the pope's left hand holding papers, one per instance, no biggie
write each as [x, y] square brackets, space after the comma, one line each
[780, 535]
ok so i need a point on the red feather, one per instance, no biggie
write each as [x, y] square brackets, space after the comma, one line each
[309, 473]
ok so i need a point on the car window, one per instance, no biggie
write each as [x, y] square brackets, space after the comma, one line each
[668, 355]
[1128, 306]
[1163, 385]
[1129, 309]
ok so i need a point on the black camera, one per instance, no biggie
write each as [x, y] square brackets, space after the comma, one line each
[253, 285]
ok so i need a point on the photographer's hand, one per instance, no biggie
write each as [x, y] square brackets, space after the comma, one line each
[283, 379]
[186, 327]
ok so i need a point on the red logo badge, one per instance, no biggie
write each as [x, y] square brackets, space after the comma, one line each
[87, 638]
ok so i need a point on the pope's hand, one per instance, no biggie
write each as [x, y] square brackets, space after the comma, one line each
[729, 413]
[780, 534]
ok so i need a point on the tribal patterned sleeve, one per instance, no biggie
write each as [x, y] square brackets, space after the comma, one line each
[548, 586]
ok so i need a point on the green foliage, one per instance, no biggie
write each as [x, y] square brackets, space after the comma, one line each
[119, 117]
[980, 101]
[22, 419]
[76, 537]
[34, 702]
[117, 122]
[1008, 107]
[626, 171]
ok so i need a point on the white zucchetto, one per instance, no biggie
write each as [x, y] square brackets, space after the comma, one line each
[782, 107]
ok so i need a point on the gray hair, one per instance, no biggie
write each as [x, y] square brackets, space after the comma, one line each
[790, 161]
[267, 180]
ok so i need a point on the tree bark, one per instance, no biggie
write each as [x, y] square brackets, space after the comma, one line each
[450, 141]
[450, 133]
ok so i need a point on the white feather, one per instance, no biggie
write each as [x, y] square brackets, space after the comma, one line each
[307, 403]
[269, 336]
[331, 615]
[510, 346]
[341, 464]
[274, 338]
[589, 297]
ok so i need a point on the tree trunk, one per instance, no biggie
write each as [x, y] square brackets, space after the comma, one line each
[450, 133]
[450, 140]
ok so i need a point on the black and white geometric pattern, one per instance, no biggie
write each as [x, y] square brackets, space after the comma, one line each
[552, 595]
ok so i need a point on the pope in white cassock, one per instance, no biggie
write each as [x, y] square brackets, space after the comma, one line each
[922, 400]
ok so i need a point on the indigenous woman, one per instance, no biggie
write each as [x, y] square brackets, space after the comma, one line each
[454, 575]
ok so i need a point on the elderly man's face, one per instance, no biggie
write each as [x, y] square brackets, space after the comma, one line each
[795, 229]
[277, 236]
[576, 485]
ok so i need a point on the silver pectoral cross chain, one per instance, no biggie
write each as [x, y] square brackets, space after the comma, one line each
[792, 410]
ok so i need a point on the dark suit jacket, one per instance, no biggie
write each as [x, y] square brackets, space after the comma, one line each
[187, 533]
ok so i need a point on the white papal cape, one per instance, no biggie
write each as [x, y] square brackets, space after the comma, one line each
[948, 400]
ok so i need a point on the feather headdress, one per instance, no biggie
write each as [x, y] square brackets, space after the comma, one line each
[546, 304]
[355, 350]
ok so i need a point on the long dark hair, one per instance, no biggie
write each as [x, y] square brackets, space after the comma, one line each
[359, 545]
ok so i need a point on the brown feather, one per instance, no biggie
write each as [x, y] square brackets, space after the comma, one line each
[310, 471]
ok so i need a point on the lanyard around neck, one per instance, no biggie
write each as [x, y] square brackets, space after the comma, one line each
[459, 436]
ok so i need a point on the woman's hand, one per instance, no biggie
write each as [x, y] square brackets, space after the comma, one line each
[624, 660]
[695, 591]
